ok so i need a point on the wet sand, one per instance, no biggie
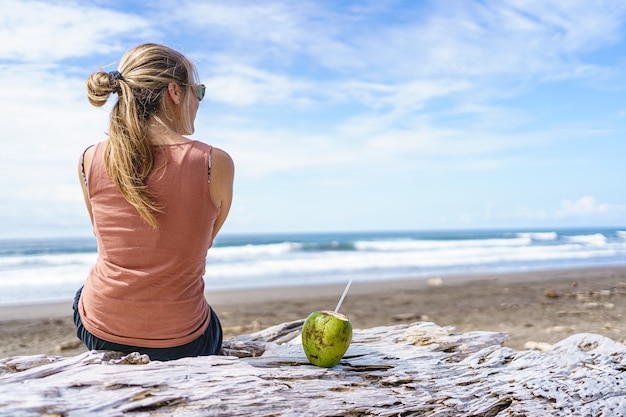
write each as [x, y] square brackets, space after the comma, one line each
[545, 307]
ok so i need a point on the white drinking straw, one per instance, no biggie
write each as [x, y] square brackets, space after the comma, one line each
[343, 295]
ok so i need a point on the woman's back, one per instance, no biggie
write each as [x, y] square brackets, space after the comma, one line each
[146, 288]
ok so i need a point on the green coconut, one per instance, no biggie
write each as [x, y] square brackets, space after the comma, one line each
[326, 336]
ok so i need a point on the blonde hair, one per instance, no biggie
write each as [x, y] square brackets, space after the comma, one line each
[141, 82]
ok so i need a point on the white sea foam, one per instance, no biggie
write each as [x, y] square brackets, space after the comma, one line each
[252, 251]
[410, 245]
[45, 261]
[305, 264]
[593, 239]
[314, 259]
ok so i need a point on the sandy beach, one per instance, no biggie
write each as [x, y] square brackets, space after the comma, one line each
[540, 307]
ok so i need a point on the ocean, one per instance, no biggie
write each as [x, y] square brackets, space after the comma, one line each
[50, 270]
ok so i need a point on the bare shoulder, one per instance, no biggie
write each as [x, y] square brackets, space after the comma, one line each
[222, 185]
[88, 152]
[84, 162]
[222, 161]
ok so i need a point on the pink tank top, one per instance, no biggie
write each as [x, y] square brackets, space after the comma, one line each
[146, 288]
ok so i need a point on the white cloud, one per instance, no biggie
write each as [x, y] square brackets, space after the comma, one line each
[277, 32]
[240, 85]
[45, 128]
[455, 38]
[39, 31]
[584, 206]
[398, 70]
[262, 152]
[503, 37]
[585, 210]
[47, 111]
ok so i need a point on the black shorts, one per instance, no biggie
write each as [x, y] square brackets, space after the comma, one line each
[209, 343]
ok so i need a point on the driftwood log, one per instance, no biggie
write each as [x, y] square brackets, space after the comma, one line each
[415, 369]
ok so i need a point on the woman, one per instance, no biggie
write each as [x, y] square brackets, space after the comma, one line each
[156, 201]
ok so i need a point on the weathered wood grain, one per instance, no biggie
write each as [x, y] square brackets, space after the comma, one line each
[416, 369]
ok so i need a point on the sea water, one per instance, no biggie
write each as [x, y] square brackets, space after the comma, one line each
[47, 270]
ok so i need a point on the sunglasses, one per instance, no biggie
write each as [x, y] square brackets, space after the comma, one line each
[200, 90]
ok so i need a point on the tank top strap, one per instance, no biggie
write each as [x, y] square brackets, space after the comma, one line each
[82, 165]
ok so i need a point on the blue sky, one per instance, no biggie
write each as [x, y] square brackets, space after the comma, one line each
[340, 115]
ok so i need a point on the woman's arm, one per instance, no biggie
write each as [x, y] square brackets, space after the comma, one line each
[221, 186]
[84, 163]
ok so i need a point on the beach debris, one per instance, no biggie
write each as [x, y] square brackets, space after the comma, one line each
[610, 327]
[559, 329]
[409, 316]
[326, 336]
[434, 282]
[586, 296]
[582, 297]
[540, 346]
[256, 325]
[593, 304]
[73, 344]
[574, 313]
[549, 293]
